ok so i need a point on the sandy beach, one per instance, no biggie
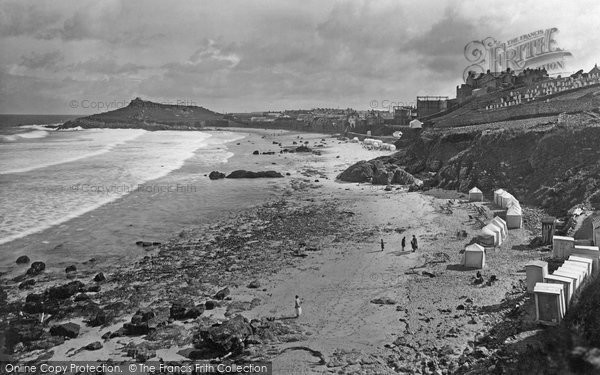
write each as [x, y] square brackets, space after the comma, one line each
[364, 310]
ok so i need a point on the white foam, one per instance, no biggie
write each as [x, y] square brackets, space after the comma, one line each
[43, 199]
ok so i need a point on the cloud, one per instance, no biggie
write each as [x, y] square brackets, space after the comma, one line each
[49, 60]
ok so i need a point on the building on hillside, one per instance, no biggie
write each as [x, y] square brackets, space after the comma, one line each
[403, 115]
[429, 105]
[595, 70]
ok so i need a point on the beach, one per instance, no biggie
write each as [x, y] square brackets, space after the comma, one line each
[364, 310]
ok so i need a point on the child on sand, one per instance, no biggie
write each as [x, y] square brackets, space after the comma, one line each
[403, 243]
[298, 307]
[382, 244]
[414, 244]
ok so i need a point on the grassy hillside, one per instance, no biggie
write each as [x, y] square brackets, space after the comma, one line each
[151, 116]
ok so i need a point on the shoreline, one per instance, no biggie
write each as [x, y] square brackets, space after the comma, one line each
[364, 310]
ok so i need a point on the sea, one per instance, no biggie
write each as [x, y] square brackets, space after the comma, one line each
[71, 195]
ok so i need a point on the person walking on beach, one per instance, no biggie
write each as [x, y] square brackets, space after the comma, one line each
[414, 244]
[382, 244]
[403, 243]
[298, 307]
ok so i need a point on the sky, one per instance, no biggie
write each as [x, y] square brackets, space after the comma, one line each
[84, 57]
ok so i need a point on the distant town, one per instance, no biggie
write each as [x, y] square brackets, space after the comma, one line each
[487, 91]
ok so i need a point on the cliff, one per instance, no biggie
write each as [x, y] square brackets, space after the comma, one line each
[140, 114]
[553, 162]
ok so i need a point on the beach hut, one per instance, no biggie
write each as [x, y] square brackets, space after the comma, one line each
[474, 256]
[505, 198]
[568, 285]
[577, 265]
[514, 215]
[578, 271]
[497, 194]
[415, 124]
[493, 230]
[596, 230]
[535, 272]
[475, 195]
[562, 246]
[570, 274]
[550, 306]
[591, 252]
[498, 222]
[548, 226]
[587, 261]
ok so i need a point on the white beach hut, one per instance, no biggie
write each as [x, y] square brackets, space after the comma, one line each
[550, 306]
[498, 222]
[474, 256]
[591, 252]
[535, 272]
[587, 261]
[505, 198]
[493, 230]
[416, 124]
[497, 194]
[514, 215]
[475, 195]
[568, 285]
[562, 246]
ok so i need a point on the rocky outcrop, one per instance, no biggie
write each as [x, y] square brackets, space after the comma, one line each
[248, 174]
[70, 330]
[36, 268]
[551, 165]
[378, 172]
[228, 337]
[141, 114]
[23, 259]
[215, 175]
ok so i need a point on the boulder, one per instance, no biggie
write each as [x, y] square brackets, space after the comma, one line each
[383, 301]
[183, 311]
[254, 284]
[3, 295]
[71, 268]
[402, 177]
[36, 268]
[81, 297]
[221, 294]
[303, 149]
[27, 284]
[249, 174]
[256, 152]
[65, 291]
[92, 289]
[96, 345]
[99, 277]
[229, 336]
[100, 317]
[23, 259]
[209, 305]
[23, 331]
[70, 330]
[139, 322]
[214, 175]
[359, 172]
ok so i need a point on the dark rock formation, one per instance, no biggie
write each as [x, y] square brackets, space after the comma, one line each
[23, 259]
[27, 284]
[23, 331]
[70, 330]
[209, 305]
[96, 345]
[303, 149]
[65, 291]
[185, 310]
[215, 175]
[249, 174]
[99, 277]
[36, 268]
[254, 284]
[229, 336]
[221, 294]
[71, 268]
[359, 172]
